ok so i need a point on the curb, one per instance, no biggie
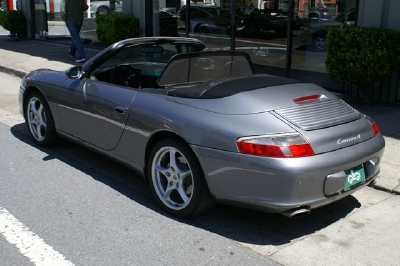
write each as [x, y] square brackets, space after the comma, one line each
[395, 191]
[13, 72]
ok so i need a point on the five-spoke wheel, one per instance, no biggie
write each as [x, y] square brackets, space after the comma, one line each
[320, 41]
[176, 179]
[39, 119]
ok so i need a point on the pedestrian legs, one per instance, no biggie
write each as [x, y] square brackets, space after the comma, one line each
[76, 44]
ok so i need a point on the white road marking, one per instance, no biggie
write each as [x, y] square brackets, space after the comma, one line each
[28, 243]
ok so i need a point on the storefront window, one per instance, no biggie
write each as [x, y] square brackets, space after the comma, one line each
[55, 26]
[261, 32]
[309, 40]
[166, 18]
[208, 21]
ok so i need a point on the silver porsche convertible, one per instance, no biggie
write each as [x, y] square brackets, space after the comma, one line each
[202, 128]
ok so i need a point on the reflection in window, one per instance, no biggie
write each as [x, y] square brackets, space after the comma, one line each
[56, 26]
[309, 42]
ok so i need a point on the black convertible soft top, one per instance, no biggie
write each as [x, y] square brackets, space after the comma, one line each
[229, 86]
[214, 74]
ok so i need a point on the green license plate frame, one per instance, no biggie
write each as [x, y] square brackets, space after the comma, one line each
[354, 177]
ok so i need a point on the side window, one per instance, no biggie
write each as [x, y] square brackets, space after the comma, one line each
[135, 66]
[204, 14]
[120, 68]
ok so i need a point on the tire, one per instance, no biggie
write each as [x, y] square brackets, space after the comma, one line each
[179, 187]
[102, 10]
[85, 41]
[39, 120]
[251, 28]
[280, 32]
[319, 41]
[202, 32]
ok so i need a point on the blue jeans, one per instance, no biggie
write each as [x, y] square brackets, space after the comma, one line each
[76, 44]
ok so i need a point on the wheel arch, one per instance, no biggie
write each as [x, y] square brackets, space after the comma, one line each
[320, 32]
[197, 27]
[27, 92]
[103, 6]
[32, 88]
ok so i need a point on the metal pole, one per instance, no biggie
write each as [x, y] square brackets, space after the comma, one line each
[289, 40]
[148, 10]
[233, 24]
[357, 12]
[187, 19]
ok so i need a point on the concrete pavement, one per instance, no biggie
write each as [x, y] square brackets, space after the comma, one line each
[21, 57]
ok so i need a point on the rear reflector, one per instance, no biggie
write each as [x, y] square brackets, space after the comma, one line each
[375, 129]
[278, 146]
[374, 126]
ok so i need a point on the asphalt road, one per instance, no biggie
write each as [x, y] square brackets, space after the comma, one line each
[67, 205]
[68, 197]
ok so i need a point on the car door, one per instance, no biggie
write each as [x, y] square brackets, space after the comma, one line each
[95, 107]
[94, 111]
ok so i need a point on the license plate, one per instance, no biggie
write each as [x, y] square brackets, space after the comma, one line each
[354, 176]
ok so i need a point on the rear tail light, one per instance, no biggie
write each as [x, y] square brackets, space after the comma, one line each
[374, 126]
[288, 145]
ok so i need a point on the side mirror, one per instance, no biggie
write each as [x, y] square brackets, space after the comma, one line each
[74, 72]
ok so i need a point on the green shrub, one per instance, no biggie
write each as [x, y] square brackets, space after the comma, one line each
[2, 17]
[112, 28]
[14, 21]
[362, 56]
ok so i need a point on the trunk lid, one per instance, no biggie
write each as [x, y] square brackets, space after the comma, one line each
[327, 123]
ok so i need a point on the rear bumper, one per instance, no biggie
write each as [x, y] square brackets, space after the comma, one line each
[279, 185]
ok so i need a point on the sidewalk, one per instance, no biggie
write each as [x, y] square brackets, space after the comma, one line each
[21, 57]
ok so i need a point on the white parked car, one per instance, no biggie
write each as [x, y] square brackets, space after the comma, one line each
[103, 7]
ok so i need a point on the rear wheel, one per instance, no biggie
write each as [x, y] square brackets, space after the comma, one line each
[280, 32]
[39, 119]
[103, 10]
[320, 41]
[202, 32]
[176, 179]
[251, 28]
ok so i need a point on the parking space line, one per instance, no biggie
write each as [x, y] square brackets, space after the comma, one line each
[28, 243]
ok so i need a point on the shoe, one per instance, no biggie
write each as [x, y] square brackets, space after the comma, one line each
[69, 52]
[80, 60]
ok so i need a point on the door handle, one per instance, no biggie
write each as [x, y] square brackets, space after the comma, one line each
[121, 109]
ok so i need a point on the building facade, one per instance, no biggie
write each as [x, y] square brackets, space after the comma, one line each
[277, 45]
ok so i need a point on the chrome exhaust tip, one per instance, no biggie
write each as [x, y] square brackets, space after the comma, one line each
[294, 213]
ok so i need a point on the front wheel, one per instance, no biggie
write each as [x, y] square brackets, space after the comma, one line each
[39, 120]
[176, 179]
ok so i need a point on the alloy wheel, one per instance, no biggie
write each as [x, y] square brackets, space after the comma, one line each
[36, 116]
[172, 178]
